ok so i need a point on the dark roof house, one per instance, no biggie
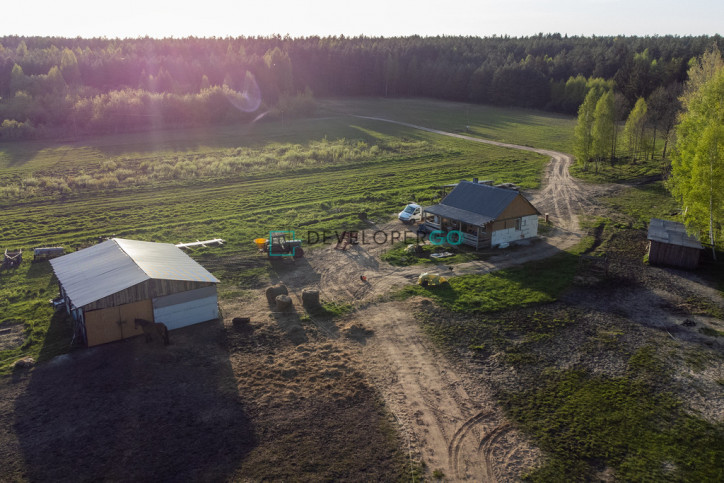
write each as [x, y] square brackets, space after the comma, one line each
[487, 215]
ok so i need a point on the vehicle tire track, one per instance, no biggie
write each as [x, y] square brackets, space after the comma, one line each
[453, 425]
[486, 447]
[456, 442]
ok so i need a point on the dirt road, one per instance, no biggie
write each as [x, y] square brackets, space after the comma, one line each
[562, 196]
[453, 425]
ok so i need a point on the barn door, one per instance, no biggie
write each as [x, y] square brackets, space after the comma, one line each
[116, 323]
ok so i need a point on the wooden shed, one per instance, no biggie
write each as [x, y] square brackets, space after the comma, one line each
[670, 245]
[106, 286]
[486, 215]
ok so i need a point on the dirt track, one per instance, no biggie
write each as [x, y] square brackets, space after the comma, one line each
[453, 425]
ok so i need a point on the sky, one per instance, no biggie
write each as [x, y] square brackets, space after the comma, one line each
[375, 18]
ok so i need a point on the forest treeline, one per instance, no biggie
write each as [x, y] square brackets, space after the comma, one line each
[61, 86]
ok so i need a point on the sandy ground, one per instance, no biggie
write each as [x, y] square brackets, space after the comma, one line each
[446, 416]
[449, 418]
[451, 423]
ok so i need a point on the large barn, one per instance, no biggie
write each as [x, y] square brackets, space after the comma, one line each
[106, 286]
[486, 215]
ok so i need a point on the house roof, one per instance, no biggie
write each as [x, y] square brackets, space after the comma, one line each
[465, 216]
[117, 264]
[671, 232]
[474, 203]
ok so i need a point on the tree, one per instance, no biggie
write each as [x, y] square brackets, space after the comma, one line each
[279, 67]
[697, 166]
[700, 71]
[69, 67]
[664, 106]
[583, 138]
[602, 131]
[621, 107]
[18, 81]
[55, 81]
[635, 129]
[205, 84]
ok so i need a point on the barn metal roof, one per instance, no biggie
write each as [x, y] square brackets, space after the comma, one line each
[474, 203]
[671, 232]
[117, 264]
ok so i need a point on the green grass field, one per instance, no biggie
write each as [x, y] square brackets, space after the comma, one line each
[238, 182]
[510, 125]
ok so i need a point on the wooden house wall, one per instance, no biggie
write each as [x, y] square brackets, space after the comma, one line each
[674, 255]
[504, 224]
[518, 208]
[145, 291]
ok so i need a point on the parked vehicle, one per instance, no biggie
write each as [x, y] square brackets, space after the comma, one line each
[278, 245]
[411, 213]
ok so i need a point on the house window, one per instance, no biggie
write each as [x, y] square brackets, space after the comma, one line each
[517, 224]
[469, 229]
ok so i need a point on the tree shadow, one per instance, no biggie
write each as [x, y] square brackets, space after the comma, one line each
[136, 411]
[19, 153]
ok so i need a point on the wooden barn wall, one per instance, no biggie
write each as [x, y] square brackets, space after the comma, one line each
[674, 255]
[116, 323]
[517, 208]
[145, 290]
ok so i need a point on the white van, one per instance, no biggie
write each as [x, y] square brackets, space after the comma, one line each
[411, 213]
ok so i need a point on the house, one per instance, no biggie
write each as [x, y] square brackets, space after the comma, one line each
[486, 215]
[106, 286]
[670, 245]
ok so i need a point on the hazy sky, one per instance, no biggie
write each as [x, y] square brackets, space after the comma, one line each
[220, 18]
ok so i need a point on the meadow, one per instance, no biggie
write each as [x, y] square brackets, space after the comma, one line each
[237, 182]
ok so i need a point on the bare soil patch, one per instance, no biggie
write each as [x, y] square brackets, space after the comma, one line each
[297, 396]
[12, 335]
[218, 404]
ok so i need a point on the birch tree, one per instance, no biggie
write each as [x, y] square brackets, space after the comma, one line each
[582, 134]
[602, 130]
[635, 129]
[697, 167]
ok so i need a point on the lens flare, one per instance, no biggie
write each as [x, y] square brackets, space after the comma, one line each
[249, 99]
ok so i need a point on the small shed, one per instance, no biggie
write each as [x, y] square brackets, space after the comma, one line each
[670, 245]
[106, 286]
[486, 215]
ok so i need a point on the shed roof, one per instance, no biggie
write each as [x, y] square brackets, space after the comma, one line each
[671, 232]
[117, 264]
[474, 203]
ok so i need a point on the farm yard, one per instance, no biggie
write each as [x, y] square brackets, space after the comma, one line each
[512, 369]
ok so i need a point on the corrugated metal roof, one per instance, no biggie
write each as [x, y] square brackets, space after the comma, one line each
[474, 201]
[671, 232]
[117, 264]
[457, 214]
